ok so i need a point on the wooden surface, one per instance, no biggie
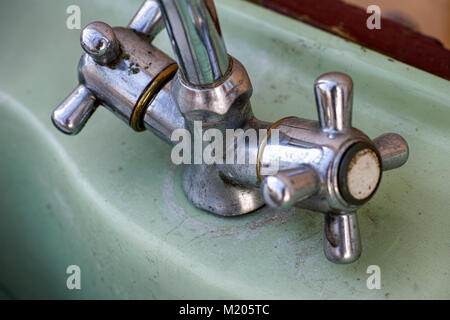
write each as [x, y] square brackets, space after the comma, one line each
[431, 18]
[348, 21]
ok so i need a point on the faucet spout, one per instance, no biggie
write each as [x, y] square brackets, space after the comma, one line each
[197, 42]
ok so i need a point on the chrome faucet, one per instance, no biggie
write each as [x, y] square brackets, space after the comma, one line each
[326, 166]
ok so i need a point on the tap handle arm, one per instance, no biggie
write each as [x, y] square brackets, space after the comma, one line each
[73, 113]
[342, 241]
[148, 19]
[290, 186]
[393, 149]
[334, 99]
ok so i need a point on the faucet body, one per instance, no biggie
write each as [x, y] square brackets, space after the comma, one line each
[326, 165]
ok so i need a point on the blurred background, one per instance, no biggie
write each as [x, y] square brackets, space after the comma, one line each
[430, 17]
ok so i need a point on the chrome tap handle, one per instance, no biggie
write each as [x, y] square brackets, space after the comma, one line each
[334, 99]
[342, 242]
[393, 149]
[99, 42]
[290, 186]
[73, 113]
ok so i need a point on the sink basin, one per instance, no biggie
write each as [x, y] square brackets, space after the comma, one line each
[110, 202]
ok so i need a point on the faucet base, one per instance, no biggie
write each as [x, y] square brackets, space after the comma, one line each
[212, 191]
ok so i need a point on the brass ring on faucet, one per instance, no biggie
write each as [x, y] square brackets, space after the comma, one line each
[136, 119]
[264, 143]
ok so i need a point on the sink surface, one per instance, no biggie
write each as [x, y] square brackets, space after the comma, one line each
[110, 201]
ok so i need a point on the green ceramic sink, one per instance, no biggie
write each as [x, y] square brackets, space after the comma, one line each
[110, 201]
